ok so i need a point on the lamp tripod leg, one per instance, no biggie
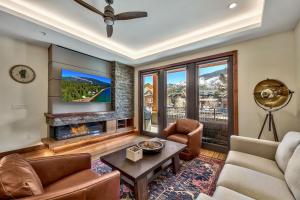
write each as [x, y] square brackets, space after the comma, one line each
[263, 126]
[270, 121]
[274, 128]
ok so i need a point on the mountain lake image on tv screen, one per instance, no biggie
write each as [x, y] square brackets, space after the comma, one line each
[81, 87]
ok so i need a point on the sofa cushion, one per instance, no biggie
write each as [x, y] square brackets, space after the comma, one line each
[292, 173]
[185, 126]
[255, 163]
[286, 149]
[72, 180]
[180, 138]
[18, 179]
[254, 184]
[223, 193]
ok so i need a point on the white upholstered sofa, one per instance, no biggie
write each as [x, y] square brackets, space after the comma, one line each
[260, 170]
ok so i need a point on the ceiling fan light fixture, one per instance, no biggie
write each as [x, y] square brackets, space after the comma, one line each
[232, 5]
[109, 14]
[109, 21]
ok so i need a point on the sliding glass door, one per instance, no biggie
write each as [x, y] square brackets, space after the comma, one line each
[150, 103]
[202, 89]
[213, 102]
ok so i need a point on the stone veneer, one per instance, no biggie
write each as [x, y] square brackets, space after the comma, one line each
[78, 118]
[123, 88]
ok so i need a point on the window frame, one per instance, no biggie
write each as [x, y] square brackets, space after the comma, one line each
[192, 86]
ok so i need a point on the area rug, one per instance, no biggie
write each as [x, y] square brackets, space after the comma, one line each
[194, 177]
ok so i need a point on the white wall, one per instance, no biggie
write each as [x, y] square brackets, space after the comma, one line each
[297, 38]
[25, 126]
[269, 57]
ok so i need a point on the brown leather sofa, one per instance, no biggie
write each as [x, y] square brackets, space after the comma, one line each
[69, 177]
[186, 131]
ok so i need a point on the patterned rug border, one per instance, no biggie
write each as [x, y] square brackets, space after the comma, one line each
[221, 163]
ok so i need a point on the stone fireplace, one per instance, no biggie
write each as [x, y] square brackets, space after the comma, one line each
[73, 130]
[76, 130]
[72, 125]
[75, 124]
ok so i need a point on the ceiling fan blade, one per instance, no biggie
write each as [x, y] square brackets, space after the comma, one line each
[109, 30]
[88, 6]
[130, 15]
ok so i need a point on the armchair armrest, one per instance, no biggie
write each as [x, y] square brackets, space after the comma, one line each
[194, 139]
[103, 188]
[169, 130]
[204, 197]
[262, 148]
[54, 168]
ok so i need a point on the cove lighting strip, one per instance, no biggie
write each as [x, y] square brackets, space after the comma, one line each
[28, 11]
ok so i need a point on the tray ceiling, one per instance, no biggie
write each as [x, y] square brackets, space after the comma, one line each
[172, 26]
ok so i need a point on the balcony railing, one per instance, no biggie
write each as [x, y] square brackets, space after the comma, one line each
[175, 113]
[205, 115]
[215, 114]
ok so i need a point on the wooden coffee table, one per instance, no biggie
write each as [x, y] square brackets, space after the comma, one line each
[138, 171]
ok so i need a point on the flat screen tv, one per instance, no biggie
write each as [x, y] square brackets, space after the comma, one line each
[81, 87]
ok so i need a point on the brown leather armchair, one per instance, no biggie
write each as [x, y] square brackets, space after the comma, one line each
[186, 131]
[69, 177]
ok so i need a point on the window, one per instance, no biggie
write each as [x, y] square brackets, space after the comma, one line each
[176, 94]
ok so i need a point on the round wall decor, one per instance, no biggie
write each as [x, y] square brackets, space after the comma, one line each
[22, 74]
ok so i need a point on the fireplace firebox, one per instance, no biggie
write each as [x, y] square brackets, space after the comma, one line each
[76, 130]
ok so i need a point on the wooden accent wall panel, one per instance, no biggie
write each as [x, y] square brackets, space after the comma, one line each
[59, 58]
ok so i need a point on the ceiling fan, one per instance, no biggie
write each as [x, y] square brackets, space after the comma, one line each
[109, 14]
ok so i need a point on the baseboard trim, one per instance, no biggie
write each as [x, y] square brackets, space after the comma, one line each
[24, 150]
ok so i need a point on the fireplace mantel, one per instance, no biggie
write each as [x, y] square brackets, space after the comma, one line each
[78, 118]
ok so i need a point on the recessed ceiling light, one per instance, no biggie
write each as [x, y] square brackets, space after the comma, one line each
[232, 5]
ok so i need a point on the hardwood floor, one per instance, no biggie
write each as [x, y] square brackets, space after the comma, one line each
[213, 154]
[105, 147]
